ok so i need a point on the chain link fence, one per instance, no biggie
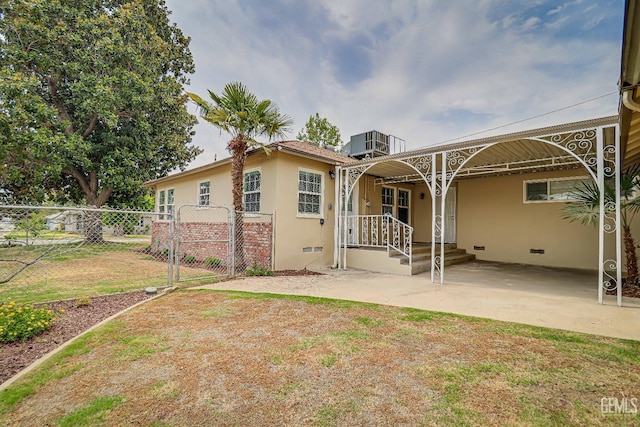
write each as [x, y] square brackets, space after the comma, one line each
[254, 243]
[215, 241]
[49, 253]
[204, 242]
[52, 252]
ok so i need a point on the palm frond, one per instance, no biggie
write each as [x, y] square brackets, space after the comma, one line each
[240, 113]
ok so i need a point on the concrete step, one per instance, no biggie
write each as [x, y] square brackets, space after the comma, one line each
[425, 265]
[422, 248]
[426, 256]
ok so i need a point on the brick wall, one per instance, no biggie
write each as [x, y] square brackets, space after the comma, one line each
[257, 241]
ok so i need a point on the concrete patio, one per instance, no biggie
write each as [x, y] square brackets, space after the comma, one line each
[540, 296]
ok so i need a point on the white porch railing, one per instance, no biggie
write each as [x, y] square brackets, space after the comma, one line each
[381, 231]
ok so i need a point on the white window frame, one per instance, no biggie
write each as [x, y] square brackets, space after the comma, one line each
[165, 207]
[258, 191]
[171, 202]
[162, 203]
[398, 190]
[321, 194]
[393, 202]
[200, 194]
[548, 182]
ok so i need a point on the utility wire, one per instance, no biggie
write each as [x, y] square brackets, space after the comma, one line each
[527, 119]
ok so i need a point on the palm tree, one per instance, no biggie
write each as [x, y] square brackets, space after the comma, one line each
[244, 117]
[586, 210]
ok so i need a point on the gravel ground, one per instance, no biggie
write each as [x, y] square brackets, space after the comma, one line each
[76, 319]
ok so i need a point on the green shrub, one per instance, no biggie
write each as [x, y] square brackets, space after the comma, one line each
[19, 322]
[258, 270]
[189, 259]
[83, 302]
[165, 252]
[212, 262]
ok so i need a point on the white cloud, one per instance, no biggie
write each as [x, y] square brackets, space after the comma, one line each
[425, 71]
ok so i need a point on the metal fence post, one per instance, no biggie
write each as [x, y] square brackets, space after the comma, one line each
[272, 242]
[170, 254]
[177, 243]
[232, 240]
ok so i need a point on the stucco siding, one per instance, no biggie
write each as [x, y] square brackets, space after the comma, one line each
[491, 214]
[301, 240]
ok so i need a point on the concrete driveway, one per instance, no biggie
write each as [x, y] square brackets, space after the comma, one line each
[540, 296]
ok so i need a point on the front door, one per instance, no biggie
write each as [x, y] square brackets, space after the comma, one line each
[352, 219]
[449, 215]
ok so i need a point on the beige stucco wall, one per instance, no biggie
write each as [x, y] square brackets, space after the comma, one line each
[294, 233]
[491, 213]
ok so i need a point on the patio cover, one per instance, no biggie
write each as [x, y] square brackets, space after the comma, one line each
[592, 144]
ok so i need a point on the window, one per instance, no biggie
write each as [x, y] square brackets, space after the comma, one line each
[252, 191]
[552, 190]
[388, 198]
[161, 203]
[204, 190]
[309, 193]
[170, 203]
[165, 204]
[403, 206]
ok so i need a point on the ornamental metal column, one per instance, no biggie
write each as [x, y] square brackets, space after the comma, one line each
[608, 169]
[350, 178]
[436, 230]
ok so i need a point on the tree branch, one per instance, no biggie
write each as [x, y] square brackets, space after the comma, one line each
[79, 176]
[104, 196]
[63, 114]
[92, 125]
[25, 264]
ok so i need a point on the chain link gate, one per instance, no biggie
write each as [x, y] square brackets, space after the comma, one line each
[254, 242]
[204, 242]
[213, 241]
[57, 252]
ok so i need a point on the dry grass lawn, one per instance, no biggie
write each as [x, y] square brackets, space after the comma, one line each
[89, 272]
[203, 358]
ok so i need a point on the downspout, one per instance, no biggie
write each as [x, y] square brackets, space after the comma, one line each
[629, 102]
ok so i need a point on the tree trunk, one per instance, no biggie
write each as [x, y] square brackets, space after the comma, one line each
[95, 198]
[632, 259]
[93, 227]
[238, 148]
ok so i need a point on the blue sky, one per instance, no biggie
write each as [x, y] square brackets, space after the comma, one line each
[426, 71]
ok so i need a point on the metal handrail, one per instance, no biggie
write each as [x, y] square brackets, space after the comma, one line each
[382, 231]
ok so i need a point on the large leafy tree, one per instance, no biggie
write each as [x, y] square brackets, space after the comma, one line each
[244, 117]
[320, 132]
[586, 210]
[91, 99]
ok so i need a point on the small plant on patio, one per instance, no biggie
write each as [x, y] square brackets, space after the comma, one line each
[83, 302]
[258, 270]
[586, 210]
[212, 262]
[19, 322]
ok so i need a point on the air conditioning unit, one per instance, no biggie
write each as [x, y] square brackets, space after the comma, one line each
[372, 144]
